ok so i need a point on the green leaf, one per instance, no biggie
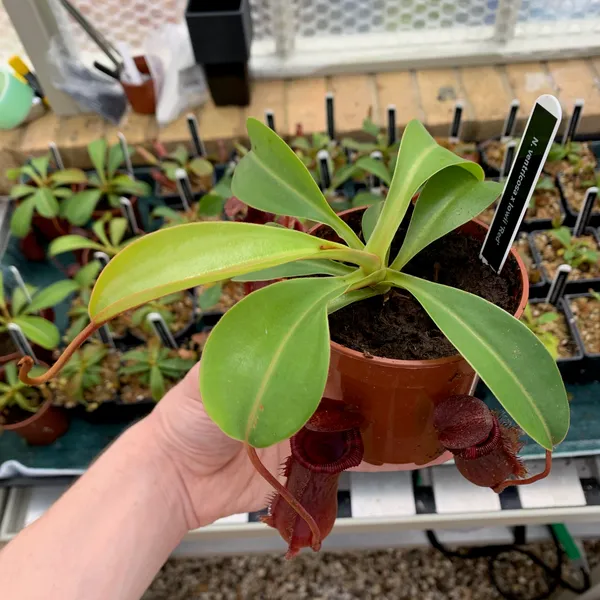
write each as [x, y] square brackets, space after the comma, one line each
[123, 184]
[366, 199]
[30, 172]
[201, 167]
[157, 383]
[449, 199]
[272, 178]
[167, 213]
[370, 219]
[60, 192]
[69, 176]
[419, 158]
[210, 296]
[39, 331]
[139, 316]
[40, 164]
[86, 276]
[505, 353]
[68, 243]
[52, 295]
[116, 230]
[45, 203]
[80, 206]
[184, 256]
[223, 187]
[301, 144]
[134, 369]
[19, 301]
[20, 222]
[177, 364]
[319, 140]
[115, 159]
[76, 326]
[370, 127]
[211, 205]
[21, 190]
[547, 318]
[279, 360]
[362, 147]
[563, 235]
[97, 152]
[137, 355]
[342, 175]
[300, 268]
[375, 167]
[180, 155]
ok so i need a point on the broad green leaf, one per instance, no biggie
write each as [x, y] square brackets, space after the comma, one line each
[370, 219]
[98, 227]
[30, 172]
[183, 256]
[69, 176]
[505, 353]
[68, 243]
[223, 187]
[97, 152]
[40, 164]
[211, 205]
[134, 369]
[13, 174]
[115, 159]
[21, 190]
[370, 127]
[172, 216]
[449, 199]
[39, 331]
[61, 192]
[547, 318]
[210, 296]
[45, 203]
[375, 167]
[157, 383]
[267, 384]
[201, 167]
[180, 155]
[19, 301]
[52, 295]
[116, 230]
[362, 147]
[272, 178]
[342, 175]
[366, 199]
[419, 158]
[137, 355]
[20, 222]
[563, 235]
[300, 143]
[177, 364]
[320, 140]
[79, 207]
[123, 184]
[300, 268]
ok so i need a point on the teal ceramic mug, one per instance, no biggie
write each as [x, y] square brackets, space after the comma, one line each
[15, 100]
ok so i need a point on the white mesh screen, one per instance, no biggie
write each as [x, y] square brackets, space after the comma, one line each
[549, 17]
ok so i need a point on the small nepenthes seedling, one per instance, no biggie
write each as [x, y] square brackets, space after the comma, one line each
[265, 364]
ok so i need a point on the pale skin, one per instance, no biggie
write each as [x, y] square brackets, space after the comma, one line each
[108, 536]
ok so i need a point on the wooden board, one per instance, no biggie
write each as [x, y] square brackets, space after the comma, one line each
[38, 134]
[268, 95]
[399, 89]
[306, 104]
[74, 134]
[10, 157]
[355, 98]
[139, 130]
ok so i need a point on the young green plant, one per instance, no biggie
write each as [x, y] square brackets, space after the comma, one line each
[84, 370]
[266, 362]
[15, 393]
[575, 251]
[538, 325]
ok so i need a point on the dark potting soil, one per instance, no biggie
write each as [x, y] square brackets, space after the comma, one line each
[396, 326]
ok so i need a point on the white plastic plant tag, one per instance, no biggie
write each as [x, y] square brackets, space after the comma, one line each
[583, 218]
[20, 283]
[374, 180]
[197, 143]
[509, 157]
[270, 119]
[535, 144]
[184, 188]
[102, 258]
[391, 125]
[129, 214]
[329, 111]
[161, 330]
[456, 125]
[511, 120]
[20, 341]
[324, 169]
[56, 156]
[557, 287]
[571, 129]
[106, 337]
[126, 156]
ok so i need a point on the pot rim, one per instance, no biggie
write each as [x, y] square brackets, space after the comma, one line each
[431, 362]
[38, 414]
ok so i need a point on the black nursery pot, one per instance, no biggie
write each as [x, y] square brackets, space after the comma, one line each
[591, 360]
[221, 35]
[490, 171]
[116, 411]
[571, 213]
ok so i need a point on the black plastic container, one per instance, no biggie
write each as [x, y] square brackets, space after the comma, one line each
[570, 213]
[539, 289]
[221, 35]
[591, 360]
[576, 286]
[490, 171]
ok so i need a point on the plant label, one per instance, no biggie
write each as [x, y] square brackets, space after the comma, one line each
[375, 181]
[509, 157]
[324, 170]
[161, 330]
[511, 120]
[456, 125]
[184, 188]
[573, 122]
[330, 116]
[20, 283]
[20, 341]
[129, 214]
[583, 218]
[56, 157]
[535, 144]
[391, 124]
[197, 143]
[126, 155]
[102, 258]
[557, 287]
[106, 337]
[270, 119]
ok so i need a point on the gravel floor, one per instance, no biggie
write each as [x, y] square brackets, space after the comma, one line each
[422, 574]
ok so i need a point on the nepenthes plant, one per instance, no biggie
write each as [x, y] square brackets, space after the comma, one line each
[265, 365]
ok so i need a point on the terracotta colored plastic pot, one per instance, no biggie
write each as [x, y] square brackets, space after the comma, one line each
[397, 397]
[31, 248]
[141, 97]
[51, 229]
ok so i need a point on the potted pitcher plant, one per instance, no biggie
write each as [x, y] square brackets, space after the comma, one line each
[368, 348]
